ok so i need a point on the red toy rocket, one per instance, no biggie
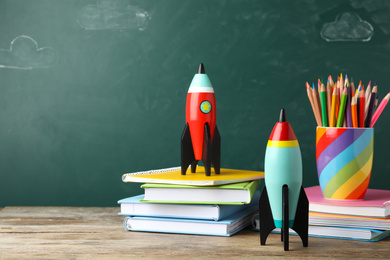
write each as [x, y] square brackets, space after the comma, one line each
[200, 139]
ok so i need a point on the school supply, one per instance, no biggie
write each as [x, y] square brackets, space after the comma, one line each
[133, 206]
[376, 203]
[338, 105]
[233, 194]
[226, 227]
[360, 234]
[379, 111]
[339, 220]
[344, 157]
[173, 176]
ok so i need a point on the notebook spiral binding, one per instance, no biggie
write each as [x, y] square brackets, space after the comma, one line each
[155, 171]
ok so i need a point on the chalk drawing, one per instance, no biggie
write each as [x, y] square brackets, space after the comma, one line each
[113, 15]
[347, 27]
[25, 54]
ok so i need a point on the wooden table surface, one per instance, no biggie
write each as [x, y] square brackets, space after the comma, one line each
[98, 233]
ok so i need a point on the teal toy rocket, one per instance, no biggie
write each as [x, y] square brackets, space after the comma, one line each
[283, 202]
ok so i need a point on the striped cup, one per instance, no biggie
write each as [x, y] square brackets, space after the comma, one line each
[344, 161]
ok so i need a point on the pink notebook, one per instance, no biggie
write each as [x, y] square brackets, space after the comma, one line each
[376, 203]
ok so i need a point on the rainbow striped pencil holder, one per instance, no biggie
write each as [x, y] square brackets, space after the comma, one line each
[344, 161]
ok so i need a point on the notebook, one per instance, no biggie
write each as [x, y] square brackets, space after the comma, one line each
[376, 203]
[235, 193]
[173, 176]
[326, 219]
[226, 227]
[361, 234]
[133, 206]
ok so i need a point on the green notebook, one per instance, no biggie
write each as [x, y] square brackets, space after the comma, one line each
[233, 194]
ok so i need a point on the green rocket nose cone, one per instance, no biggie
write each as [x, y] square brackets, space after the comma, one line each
[201, 69]
[282, 116]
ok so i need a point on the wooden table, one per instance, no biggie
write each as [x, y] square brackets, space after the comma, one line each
[97, 233]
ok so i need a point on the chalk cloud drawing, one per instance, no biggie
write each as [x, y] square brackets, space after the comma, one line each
[113, 15]
[25, 54]
[347, 27]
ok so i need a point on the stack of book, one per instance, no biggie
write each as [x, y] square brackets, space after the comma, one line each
[367, 219]
[364, 220]
[218, 205]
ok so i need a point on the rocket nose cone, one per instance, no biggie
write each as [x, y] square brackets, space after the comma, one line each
[282, 130]
[282, 116]
[201, 69]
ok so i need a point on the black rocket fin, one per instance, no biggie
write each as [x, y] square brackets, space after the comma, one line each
[285, 217]
[301, 222]
[187, 150]
[265, 216]
[216, 151]
[206, 156]
[193, 166]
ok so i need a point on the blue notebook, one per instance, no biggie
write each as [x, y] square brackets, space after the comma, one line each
[226, 227]
[133, 206]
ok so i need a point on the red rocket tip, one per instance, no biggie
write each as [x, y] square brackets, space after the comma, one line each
[282, 130]
[201, 69]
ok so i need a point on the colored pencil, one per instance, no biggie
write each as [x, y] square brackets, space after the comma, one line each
[323, 106]
[332, 122]
[319, 88]
[343, 103]
[340, 104]
[367, 96]
[317, 106]
[310, 96]
[352, 87]
[348, 108]
[331, 81]
[354, 113]
[328, 99]
[347, 114]
[371, 107]
[346, 83]
[380, 109]
[337, 87]
[361, 107]
[357, 97]
[358, 90]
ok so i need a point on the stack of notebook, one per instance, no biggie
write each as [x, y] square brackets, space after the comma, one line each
[364, 220]
[218, 205]
[367, 219]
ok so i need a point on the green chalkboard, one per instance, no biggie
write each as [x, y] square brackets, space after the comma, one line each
[90, 90]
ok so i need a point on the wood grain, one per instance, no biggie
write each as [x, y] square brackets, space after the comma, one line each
[97, 233]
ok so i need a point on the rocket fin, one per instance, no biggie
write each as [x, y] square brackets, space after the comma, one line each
[206, 154]
[193, 166]
[265, 216]
[301, 222]
[285, 217]
[216, 151]
[187, 150]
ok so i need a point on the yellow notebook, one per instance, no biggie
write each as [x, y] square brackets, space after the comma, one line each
[173, 176]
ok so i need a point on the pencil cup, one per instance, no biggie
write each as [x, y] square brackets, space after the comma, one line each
[344, 161]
